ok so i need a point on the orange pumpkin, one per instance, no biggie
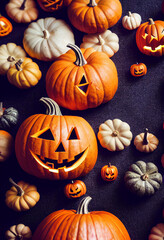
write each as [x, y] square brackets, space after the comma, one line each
[75, 189]
[6, 145]
[109, 172]
[50, 5]
[81, 79]
[5, 26]
[81, 224]
[150, 38]
[138, 69]
[56, 147]
[92, 16]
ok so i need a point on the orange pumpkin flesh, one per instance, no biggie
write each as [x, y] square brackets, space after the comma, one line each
[81, 224]
[138, 70]
[150, 38]
[6, 145]
[109, 173]
[75, 189]
[82, 79]
[5, 26]
[50, 5]
[55, 146]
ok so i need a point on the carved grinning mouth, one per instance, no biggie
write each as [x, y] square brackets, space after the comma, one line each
[75, 194]
[139, 72]
[53, 166]
[111, 178]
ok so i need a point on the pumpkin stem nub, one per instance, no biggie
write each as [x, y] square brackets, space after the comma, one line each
[18, 188]
[83, 206]
[151, 21]
[101, 40]
[52, 106]
[80, 60]
[11, 59]
[145, 141]
[18, 65]
[1, 109]
[92, 3]
[130, 14]
[145, 177]
[46, 34]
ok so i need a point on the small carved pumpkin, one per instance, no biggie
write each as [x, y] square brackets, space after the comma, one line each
[81, 224]
[94, 16]
[146, 142]
[50, 5]
[82, 79]
[10, 53]
[75, 189]
[131, 21]
[56, 147]
[114, 135]
[24, 74]
[22, 11]
[22, 196]
[8, 117]
[17, 232]
[138, 69]
[157, 232]
[106, 42]
[109, 172]
[150, 38]
[143, 179]
[5, 26]
[6, 145]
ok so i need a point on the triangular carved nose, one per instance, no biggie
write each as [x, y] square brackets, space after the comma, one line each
[60, 148]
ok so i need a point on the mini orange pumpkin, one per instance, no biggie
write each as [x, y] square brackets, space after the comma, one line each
[138, 69]
[56, 147]
[150, 38]
[109, 172]
[6, 145]
[75, 189]
[82, 78]
[5, 26]
[50, 5]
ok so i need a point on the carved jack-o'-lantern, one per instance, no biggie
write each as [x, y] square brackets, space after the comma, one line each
[55, 146]
[150, 38]
[50, 5]
[75, 189]
[5, 26]
[109, 172]
[138, 69]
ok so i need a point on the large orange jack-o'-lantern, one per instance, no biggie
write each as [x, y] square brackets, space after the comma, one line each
[150, 38]
[54, 146]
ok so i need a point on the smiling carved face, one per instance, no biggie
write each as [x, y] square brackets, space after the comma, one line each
[57, 147]
[109, 173]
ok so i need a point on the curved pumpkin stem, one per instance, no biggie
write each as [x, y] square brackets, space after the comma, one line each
[83, 206]
[52, 106]
[145, 141]
[18, 64]
[151, 21]
[80, 60]
[18, 188]
[101, 40]
[129, 13]
[92, 3]
[1, 109]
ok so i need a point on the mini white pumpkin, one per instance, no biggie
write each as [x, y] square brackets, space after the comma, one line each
[46, 39]
[114, 135]
[157, 232]
[19, 231]
[107, 42]
[10, 53]
[131, 21]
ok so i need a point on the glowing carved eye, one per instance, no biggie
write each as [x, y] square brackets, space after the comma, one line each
[46, 135]
[83, 85]
[73, 135]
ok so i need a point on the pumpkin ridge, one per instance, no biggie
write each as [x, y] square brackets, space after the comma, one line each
[95, 229]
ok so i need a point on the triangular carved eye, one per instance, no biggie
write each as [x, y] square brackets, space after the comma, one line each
[73, 135]
[83, 85]
[47, 135]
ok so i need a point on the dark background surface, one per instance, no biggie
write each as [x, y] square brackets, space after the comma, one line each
[138, 101]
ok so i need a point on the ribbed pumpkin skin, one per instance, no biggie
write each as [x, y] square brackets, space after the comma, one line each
[67, 225]
[60, 127]
[63, 77]
[94, 19]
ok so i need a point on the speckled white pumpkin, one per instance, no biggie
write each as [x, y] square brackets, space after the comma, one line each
[107, 42]
[46, 39]
[10, 53]
[131, 21]
[114, 135]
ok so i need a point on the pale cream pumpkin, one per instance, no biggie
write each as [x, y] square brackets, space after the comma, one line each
[10, 53]
[47, 38]
[131, 21]
[107, 42]
[19, 231]
[157, 232]
[114, 135]
[22, 11]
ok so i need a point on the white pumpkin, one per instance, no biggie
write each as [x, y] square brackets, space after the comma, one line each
[131, 21]
[107, 42]
[22, 11]
[46, 39]
[114, 135]
[157, 232]
[19, 231]
[10, 53]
